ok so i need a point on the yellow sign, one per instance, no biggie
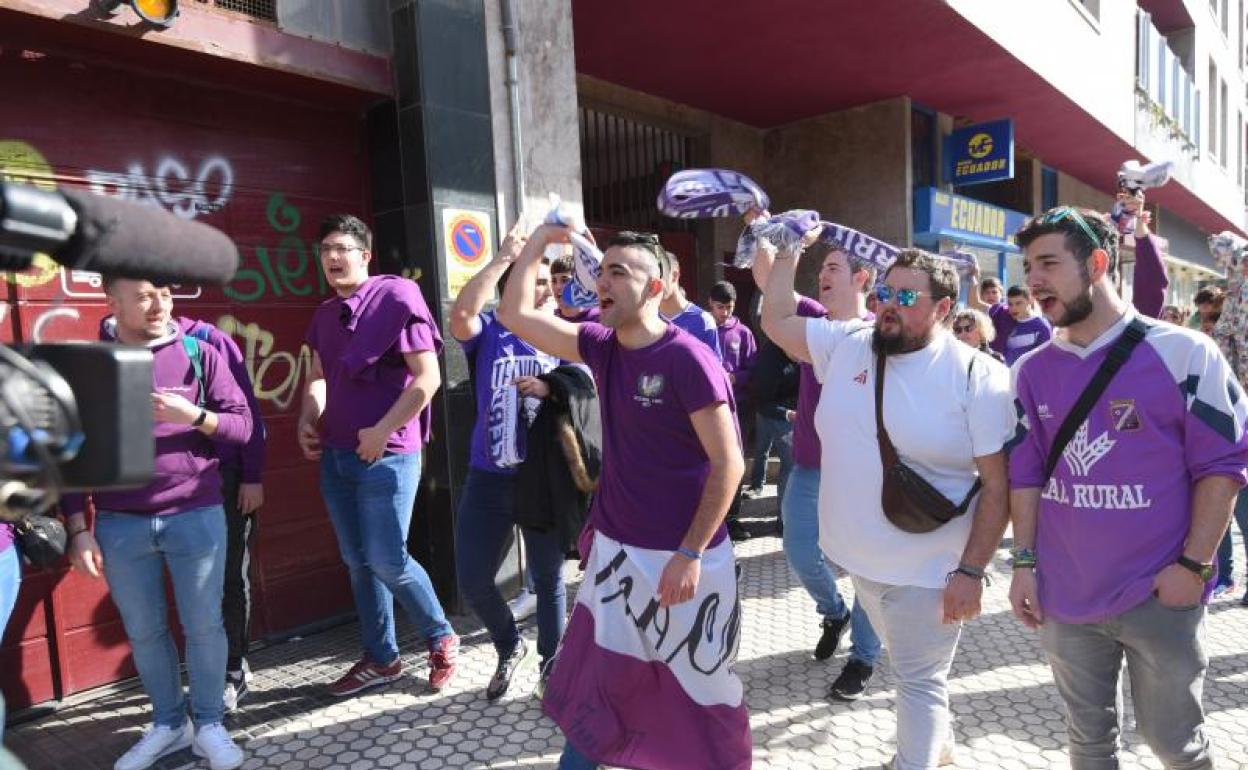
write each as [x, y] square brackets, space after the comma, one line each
[977, 218]
[468, 245]
[979, 145]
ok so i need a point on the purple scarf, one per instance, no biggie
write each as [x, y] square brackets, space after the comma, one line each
[698, 193]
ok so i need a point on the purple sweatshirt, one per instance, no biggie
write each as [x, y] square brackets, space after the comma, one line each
[1118, 507]
[186, 474]
[736, 343]
[249, 458]
[1149, 293]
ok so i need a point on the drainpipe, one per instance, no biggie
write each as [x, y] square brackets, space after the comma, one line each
[511, 50]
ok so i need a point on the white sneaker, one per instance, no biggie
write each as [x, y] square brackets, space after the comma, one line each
[213, 743]
[946, 758]
[157, 742]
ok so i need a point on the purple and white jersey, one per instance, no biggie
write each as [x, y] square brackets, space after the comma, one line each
[503, 415]
[701, 325]
[1118, 507]
[653, 465]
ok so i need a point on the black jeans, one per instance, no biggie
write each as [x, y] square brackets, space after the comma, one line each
[240, 531]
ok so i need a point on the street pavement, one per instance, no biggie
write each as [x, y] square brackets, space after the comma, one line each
[1008, 714]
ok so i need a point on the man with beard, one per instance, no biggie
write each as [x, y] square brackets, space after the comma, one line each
[1114, 542]
[948, 412]
[843, 284]
[636, 683]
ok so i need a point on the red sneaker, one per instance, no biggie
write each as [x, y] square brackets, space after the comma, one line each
[443, 661]
[364, 675]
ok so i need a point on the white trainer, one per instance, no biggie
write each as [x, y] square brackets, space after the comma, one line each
[157, 742]
[946, 758]
[213, 743]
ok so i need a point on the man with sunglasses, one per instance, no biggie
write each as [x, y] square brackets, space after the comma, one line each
[844, 282]
[631, 685]
[947, 409]
[1114, 544]
[365, 418]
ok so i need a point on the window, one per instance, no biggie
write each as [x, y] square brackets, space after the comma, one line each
[1213, 109]
[1226, 19]
[1223, 125]
[265, 10]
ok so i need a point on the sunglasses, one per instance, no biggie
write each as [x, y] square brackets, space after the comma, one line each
[650, 243]
[1062, 213]
[905, 297]
[963, 328]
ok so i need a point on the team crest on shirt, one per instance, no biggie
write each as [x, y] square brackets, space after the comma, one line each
[649, 387]
[735, 344]
[861, 379]
[1122, 414]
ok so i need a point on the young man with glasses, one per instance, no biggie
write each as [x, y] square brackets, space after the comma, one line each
[631, 685]
[948, 412]
[843, 283]
[365, 418]
[1114, 544]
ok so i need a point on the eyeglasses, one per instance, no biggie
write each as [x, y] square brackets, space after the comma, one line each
[963, 328]
[905, 297]
[1070, 212]
[335, 248]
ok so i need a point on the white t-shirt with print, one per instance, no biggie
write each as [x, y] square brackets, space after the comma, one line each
[939, 419]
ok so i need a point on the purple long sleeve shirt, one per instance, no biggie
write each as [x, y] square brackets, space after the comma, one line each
[737, 345]
[1149, 293]
[186, 475]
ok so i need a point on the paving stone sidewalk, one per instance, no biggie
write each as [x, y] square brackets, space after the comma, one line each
[1008, 715]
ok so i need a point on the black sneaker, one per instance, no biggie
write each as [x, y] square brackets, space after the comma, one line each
[508, 666]
[235, 688]
[833, 630]
[852, 682]
[737, 531]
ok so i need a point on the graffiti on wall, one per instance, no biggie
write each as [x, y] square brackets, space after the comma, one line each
[290, 268]
[20, 162]
[277, 375]
[170, 184]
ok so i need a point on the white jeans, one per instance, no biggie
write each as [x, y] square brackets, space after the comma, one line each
[920, 650]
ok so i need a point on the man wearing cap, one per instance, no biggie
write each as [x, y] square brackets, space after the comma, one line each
[948, 412]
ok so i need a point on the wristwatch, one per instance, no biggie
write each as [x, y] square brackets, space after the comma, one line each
[203, 415]
[1202, 571]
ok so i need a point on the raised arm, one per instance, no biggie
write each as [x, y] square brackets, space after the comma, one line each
[544, 331]
[780, 319]
[972, 296]
[466, 312]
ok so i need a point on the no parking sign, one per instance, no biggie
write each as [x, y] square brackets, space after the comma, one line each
[468, 243]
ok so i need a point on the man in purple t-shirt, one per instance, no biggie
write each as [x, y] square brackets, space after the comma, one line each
[505, 376]
[677, 308]
[630, 686]
[1114, 548]
[988, 296]
[366, 417]
[1029, 331]
[844, 281]
[175, 522]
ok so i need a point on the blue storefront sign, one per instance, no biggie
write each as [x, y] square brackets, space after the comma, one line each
[939, 214]
[983, 152]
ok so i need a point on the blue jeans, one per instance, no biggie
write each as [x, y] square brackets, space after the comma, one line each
[136, 549]
[10, 581]
[370, 507]
[771, 433]
[800, 511]
[1226, 558]
[486, 517]
[571, 759]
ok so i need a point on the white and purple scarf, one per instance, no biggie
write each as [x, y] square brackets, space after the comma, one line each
[700, 193]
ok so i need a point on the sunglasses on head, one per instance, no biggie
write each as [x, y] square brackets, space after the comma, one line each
[649, 242]
[905, 297]
[1062, 213]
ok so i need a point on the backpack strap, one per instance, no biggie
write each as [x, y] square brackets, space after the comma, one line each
[190, 343]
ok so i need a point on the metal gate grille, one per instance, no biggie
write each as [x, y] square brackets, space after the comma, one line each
[265, 10]
[623, 164]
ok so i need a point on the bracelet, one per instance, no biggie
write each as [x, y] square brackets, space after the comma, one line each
[969, 571]
[1023, 558]
[203, 415]
[689, 553]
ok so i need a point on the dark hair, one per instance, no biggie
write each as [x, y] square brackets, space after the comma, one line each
[1085, 230]
[107, 282]
[990, 283]
[855, 262]
[561, 265]
[347, 224]
[646, 242]
[1019, 291]
[1207, 295]
[942, 279]
[723, 292]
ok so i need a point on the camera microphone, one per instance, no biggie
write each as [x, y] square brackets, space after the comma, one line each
[85, 231]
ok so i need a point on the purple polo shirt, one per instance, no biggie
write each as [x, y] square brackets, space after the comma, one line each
[1003, 324]
[361, 341]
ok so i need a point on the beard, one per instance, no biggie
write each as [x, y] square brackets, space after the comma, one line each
[1079, 308]
[894, 344]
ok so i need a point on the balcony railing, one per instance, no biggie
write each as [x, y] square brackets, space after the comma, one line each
[1161, 78]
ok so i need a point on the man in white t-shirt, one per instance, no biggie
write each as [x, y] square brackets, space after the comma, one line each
[948, 411]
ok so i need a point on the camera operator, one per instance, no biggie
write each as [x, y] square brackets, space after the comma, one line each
[177, 521]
